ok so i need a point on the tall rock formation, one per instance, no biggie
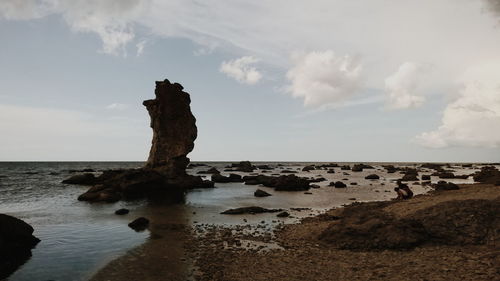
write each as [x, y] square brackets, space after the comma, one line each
[174, 128]
[164, 176]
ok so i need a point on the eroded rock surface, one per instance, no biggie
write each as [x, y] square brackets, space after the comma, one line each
[164, 176]
[16, 242]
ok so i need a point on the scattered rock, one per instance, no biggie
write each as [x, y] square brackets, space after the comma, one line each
[442, 185]
[243, 166]
[338, 184]
[426, 177]
[139, 224]
[330, 171]
[345, 167]
[410, 174]
[121, 212]
[250, 210]
[223, 179]
[212, 171]
[308, 168]
[261, 193]
[83, 179]
[372, 177]
[283, 214]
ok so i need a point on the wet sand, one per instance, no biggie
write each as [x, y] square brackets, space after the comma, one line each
[293, 251]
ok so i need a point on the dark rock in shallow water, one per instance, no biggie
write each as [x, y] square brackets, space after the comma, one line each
[410, 175]
[223, 179]
[338, 184]
[16, 242]
[121, 212]
[84, 179]
[281, 183]
[261, 193]
[426, 177]
[488, 174]
[139, 224]
[288, 172]
[345, 167]
[249, 210]
[330, 171]
[444, 175]
[283, 214]
[442, 185]
[308, 168]
[210, 171]
[372, 177]
[243, 166]
[264, 167]
[390, 168]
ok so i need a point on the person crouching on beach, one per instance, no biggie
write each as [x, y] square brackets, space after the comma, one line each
[403, 191]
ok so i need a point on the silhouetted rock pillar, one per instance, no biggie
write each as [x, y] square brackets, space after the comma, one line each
[174, 129]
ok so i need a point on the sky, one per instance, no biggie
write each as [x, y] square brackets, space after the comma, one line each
[281, 80]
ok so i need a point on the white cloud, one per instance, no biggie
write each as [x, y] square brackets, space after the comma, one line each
[323, 78]
[140, 47]
[117, 106]
[111, 20]
[473, 119]
[241, 70]
[401, 88]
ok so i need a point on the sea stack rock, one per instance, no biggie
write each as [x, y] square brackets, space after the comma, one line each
[164, 176]
[174, 128]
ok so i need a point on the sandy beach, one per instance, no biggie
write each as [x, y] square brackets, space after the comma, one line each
[296, 252]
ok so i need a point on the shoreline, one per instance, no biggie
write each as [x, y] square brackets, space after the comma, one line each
[178, 252]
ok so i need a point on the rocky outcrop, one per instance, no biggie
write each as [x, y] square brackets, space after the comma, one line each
[281, 183]
[243, 166]
[16, 242]
[164, 176]
[410, 174]
[83, 179]
[174, 128]
[488, 174]
[367, 227]
[223, 179]
[442, 185]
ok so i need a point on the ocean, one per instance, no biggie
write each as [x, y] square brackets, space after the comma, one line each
[79, 238]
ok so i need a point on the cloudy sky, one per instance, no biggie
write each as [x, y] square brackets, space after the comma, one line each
[285, 80]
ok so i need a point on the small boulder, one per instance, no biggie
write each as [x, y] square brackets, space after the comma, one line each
[442, 185]
[139, 224]
[338, 184]
[283, 214]
[372, 177]
[121, 212]
[83, 179]
[261, 193]
[308, 168]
